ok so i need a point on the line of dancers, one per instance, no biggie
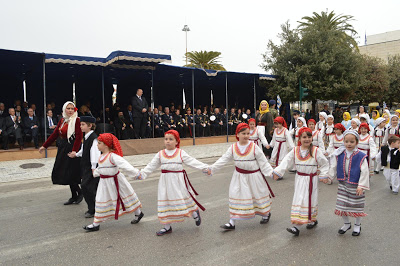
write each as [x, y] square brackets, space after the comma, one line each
[318, 153]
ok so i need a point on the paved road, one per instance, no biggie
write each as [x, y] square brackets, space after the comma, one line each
[36, 229]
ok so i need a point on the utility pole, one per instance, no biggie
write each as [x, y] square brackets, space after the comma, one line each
[186, 29]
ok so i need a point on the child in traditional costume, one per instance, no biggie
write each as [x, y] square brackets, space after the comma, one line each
[389, 158]
[367, 145]
[257, 134]
[90, 155]
[329, 131]
[307, 160]
[378, 135]
[351, 170]
[249, 191]
[355, 123]
[323, 117]
[317, 136]
[346, 120]
[301, 122]
[392, 130]
[364, 118]
[176, 195]
[115, 195]
[281, 142]
[337, 140]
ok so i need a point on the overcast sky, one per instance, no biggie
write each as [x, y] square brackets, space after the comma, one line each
[238, 29]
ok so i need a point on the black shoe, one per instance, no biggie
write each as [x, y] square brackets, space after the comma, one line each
[356, 233]
[89, 215]
[228, 227]
[376, 172]
[344, 231]
[91, 229]
[79, 199]
[294, 231]
[391, 188]
[198, 219]
[69, 202]
[137, 218]
[265, 220]
[312, 225]
[164, 231]
[280, 178]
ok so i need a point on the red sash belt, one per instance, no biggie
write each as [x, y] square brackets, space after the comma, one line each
[243, 171]
[255, 141]
[279, 151]
[119, 200]
[310, 188]
[188, 184]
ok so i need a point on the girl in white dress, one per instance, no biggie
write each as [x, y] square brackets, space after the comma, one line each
[115, 195]
[378, 134]
[337, 140]
[307, 160]
[257, 134]
[364, 118]
[249, 191]
[281, 142]
[301, 122]
[367, 145]
[329, 131]
[323, 117]
[355, 123]
[351, 169]
[317, 136]
[393, 129]
[176, 196]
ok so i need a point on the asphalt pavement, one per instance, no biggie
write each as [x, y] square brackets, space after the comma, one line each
[37, 229]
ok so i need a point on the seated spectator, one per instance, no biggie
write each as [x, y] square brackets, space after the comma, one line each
[124, 127]
[129, 113]
[83, 111]
[50, 123]
[18, 111]
[31, 127]
[158, 124]
[12, 126]
[3, 112]
[35, 111]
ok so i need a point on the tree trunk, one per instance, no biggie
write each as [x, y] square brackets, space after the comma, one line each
[314, 109]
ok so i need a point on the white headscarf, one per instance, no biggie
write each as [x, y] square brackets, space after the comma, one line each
[379, 120]
[365, 116]
[324, 115]
[356, 120]
[302, 120]
[71, 120]
[342, 148]
[331, 116]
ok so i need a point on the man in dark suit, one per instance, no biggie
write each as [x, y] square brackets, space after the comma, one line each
[3, 112]
[158, 124]
[31, 127]
[129, 114]
[124, 127]
[12, 126]
[50, 123]
[168, 120]
[139, 105]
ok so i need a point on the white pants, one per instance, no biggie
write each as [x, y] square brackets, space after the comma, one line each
[378, 166]
[392, 177]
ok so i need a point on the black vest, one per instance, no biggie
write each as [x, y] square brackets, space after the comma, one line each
[86, 165]
[394, 159]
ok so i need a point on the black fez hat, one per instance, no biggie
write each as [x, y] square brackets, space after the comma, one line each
[88, 119]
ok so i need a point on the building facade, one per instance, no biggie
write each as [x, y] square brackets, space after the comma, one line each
[382, 45]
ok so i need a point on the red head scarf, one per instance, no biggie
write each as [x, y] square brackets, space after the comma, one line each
[112, 142]
[340, 126]
[281, 121]
[363, 125]
[240, 127]
[301, 131]
[252, 120]
[311, 120]
[176, 136]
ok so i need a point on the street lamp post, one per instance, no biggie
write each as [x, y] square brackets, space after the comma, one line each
[186, 29]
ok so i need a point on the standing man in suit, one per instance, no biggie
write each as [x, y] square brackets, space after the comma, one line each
[50, 123]
[12, 126]
[140, 106]
[31, 127]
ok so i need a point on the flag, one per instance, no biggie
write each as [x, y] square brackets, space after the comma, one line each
[384, 106]
[212, 98]
[184, 98]
[24, 87]
[365, 37]
[279, 102]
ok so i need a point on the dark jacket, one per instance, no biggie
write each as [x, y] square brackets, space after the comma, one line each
[28, 123]
[8, 124]
[394, 158]
[138, 106]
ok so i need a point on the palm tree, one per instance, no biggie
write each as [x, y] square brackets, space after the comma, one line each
[204, 60]
[331, 22]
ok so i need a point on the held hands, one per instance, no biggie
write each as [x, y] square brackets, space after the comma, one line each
[41, 149]
[359, 191]
[268, 147]
[275, 176]
[325, 180]
[72, 154]
[207, 171]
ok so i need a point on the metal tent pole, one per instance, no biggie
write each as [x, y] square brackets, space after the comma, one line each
[152, 97]
[226, 96]
[194, 122]
[104, 101]
[44, 101]
[255, 97]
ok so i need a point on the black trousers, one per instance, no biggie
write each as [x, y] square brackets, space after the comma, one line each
[75, 190]
[17, 132]
[139, 125]
[34, 132]
[89, 189]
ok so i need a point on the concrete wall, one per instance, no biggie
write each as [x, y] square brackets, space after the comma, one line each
[381, 50]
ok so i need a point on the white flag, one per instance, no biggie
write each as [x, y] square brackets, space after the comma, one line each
[212, 98]
[184, 99]
[24, 87]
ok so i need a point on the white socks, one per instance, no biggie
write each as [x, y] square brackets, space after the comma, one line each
[138, 211]
[93, 225]
[347, 223]
[167, 226]
[357, 225]
[195, 216]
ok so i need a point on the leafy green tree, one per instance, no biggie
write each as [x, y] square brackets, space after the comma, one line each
[205, 60]
[393, 94]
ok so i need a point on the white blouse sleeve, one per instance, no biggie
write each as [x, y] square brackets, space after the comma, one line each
[321, 145]
[364, 176]
[265, 167]
[192, 162]
[372, 148]
[94, 154]
[386, 137]
[222, 161]
[323, 165]
[378, 157]
[123, 165]
[261, 136]
[333, 167]
[273, 140]
[289, 140]
[151, 167]
[96, 173]
[287, 163]
[330, 148]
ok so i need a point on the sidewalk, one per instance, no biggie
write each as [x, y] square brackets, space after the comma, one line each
[39, 168]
